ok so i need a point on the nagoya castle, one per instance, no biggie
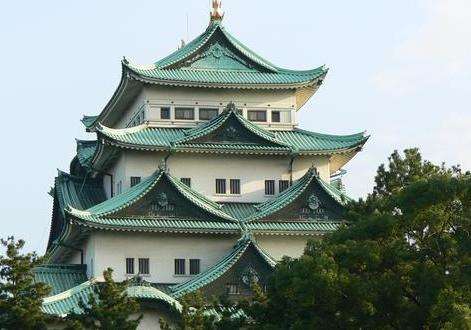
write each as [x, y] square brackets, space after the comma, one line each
[197, 176]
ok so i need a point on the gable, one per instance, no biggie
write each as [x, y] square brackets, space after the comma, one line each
[250, 267]
[163, 200]
[312, 204]
[232, 132]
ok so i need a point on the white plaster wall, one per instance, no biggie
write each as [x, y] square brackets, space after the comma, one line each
[204, 169]
[280, 246]
[112, 248]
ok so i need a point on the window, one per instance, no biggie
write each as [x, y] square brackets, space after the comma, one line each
[185, 113]
[257, 115]
[119, 187]
[194, 266]
[179, 266]
[165, 113]
[283, 185]
[232, 289]
[235, 186]
[144, 266]
[208, 114]
[275, 117]
[129, 266]
[221, 186]
[269, 187]
[186, 181]
[135, 180]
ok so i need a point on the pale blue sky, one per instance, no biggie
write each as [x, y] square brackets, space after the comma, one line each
[399, 69]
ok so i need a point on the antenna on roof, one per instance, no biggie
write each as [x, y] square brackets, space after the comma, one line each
[216, 13]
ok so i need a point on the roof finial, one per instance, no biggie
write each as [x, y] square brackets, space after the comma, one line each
[216, 13]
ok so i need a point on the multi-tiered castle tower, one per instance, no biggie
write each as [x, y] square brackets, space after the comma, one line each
[198, 179]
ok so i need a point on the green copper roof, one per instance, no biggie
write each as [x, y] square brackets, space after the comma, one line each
[292, 193]
[89, 120]
[239, 210]
[218, 59]
[244, 137]
[104, 213]
[60, 277]
[221, 267]
[85, 152]
[68, 301]
[79, 193]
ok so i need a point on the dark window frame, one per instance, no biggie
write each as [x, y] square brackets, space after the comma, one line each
[269, 187]
[135, 180]
[186, 181]
[184, 117]
[276, 117]
[166, 111]
[283, 185]
[207, 110]
[258, 115]
[144, 266]
[234, 186]
[130, 266]
[221, 187]
[180, 266]
[195, 266]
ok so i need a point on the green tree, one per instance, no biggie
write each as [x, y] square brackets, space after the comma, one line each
[402, 263]
[198, 314]
[108, 307]
[20, 296]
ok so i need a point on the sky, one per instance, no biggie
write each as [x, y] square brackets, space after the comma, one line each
[400, 70]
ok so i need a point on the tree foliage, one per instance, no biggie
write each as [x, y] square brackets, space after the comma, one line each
[402, 263]
[108, 307]
[20, 296]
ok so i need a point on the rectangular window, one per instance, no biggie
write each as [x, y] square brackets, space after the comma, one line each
[208, 114]
[269, 187]
[221, 186]
[165, 113]
[185, 113]
[179, 266]
[275, 117]
[186, 181]
[119, 187]
[194, 266]
[135, 180]
[144, 266]
[129, 266]
[257, 115]
[232, 289]
[283, 185]
[235, 186]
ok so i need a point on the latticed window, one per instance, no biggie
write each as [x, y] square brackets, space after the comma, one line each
[257, 115]
[221, 186]
[144, 266]
[129, 265]
[135, 180]
[269, 187]
[283, 185]
[179, 266]
[165, 113]
[194, 266]
[208, 114]
[186, 181]
[232, 289]
[275, 117]
[185, 113]
[235, 186]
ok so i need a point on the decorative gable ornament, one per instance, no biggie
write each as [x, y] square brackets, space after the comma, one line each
[314, 203]
[162, 200]
[249, 276]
